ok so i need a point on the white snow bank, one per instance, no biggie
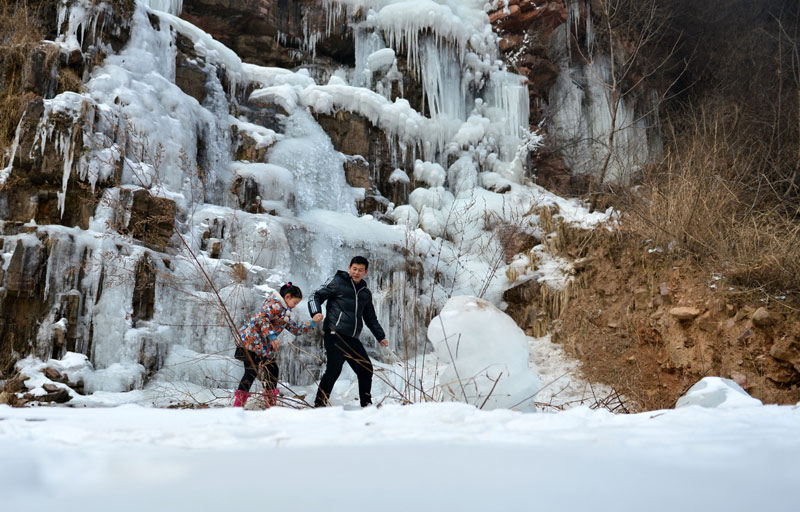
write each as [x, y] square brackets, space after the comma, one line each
[419, 457]
[486, 356]
[717, 392]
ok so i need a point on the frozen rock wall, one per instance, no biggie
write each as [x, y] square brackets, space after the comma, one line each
[145, 214]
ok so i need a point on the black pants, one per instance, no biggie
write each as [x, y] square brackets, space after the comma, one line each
[251, 366]
[339, 349]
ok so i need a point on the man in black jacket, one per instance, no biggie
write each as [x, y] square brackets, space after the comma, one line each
[349, 308]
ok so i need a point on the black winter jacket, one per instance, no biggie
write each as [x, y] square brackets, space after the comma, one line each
[349, 306]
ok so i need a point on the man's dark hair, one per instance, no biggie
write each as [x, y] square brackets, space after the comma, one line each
[360, 260]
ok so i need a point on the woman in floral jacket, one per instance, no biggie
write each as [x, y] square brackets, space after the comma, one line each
[258, 341]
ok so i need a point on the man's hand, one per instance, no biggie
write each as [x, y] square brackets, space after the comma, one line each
[317, 318]
[384, 343]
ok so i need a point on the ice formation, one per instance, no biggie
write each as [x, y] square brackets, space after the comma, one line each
[485, 354]
[587, 107]
[469, 179]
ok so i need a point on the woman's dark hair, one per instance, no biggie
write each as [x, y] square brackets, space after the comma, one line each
[292, 290]
[360, 260]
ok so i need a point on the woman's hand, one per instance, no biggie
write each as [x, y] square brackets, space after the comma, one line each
[317, 318]
[384, 342]
[276, 344]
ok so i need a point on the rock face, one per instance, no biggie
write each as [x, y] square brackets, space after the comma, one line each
[34, 193]
[551, 42]
[22, 302]
[371, 164]
[273, 32]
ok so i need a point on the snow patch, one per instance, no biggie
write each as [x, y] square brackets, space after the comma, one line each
[717, 392]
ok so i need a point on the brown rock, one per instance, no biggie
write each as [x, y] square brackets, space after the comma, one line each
[502, 14]
[509, 42]
[356, 172]
[544, 15]
[248, 148]
[50, 387]
[52, 374]
[16, 384]
[216, 249]
[188, 75]
[24, 274]
[684, 313]
[763, 318]
[60, 396]
[6, 398]
[739, 378]
[788, 351]
[641, 298]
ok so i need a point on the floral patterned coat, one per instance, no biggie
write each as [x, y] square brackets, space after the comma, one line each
[264, 326]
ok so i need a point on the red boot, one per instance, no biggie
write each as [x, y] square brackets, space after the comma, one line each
[240, 398]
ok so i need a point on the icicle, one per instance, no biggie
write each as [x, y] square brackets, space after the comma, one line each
[366, 43]
[67, 151]
[5, 173]
[509, 93]
[333, 12]
[441, 81]
[173, 7]
[62, 14]
[310, 38]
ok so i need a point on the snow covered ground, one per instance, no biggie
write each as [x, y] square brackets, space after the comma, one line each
[419, 457]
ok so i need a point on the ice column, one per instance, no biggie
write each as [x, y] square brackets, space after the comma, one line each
[170, 6]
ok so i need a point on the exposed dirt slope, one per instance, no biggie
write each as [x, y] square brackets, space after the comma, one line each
[651, 324]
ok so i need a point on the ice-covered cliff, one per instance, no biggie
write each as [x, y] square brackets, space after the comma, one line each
[146, 212]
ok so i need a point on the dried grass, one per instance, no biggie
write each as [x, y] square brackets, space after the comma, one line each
[20, 30]
[712, 197]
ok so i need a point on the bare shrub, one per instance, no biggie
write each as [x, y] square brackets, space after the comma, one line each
[19, 32]
[713, 197]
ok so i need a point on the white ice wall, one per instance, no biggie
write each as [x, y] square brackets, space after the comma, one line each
[586, 107]
[467, 142]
